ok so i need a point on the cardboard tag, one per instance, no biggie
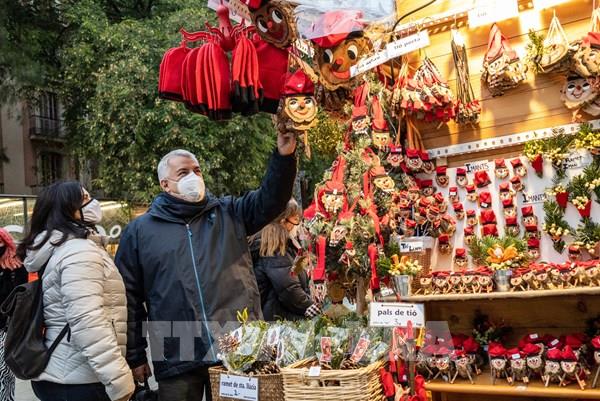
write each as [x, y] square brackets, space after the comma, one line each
[360, 350]
[532, 199]
[408, 44]
[314, 371]
[238, 387]
[412, 246]
[396, 314]
[326, 355]
[369, 63]
[486, 12]
[482, 165]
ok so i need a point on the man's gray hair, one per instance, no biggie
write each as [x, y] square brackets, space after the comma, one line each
[163, 165]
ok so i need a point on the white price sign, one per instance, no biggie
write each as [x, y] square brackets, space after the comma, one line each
[532, 199]
[238, 387]
[487, 12]
[413, 246]
[369, 63]
[407, 44]
[396, 314]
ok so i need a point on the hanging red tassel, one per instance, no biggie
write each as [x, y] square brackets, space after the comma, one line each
[373, 255]
[319, 272]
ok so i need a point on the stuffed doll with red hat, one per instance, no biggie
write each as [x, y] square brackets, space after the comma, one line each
[441, 202]
[509, 209]
[395, 156]
[593, 272]
[461, 177]
[528, 217]
[274, 21]
[444, 244]
[485, 200]
[441, 176]
[471, 218]
[428, 166]
[455, 282]
[459, 210]
[331, 197]
[571, 368]
[460, 258]
[482, 179]
[339, 44]
[516, 281]
[471, 193]
[462, 366]
[413, 160]
[433, 214]
[380, 131]
[565, 276]
[469, 233]
[298, 108]
[574, 252]
[533, 248]
[425, 284]
[518, 366]
[361, 121]
[517, 184]
[442, 364]
[440, 282]
[596, 347]
[427, 188]
[497, 355]
[511, 227]
[453, 195]
[500, 169]
[542, 278]
[505, 193]
[534, 360]
[518, 167]
[484, 279]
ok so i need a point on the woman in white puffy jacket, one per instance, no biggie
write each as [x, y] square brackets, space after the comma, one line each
[82, 288]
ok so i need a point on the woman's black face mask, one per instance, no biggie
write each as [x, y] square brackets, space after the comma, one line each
[2, 250]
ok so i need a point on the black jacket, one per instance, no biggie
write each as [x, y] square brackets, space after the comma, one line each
[9, 279]
[187, 270]
[283, 294]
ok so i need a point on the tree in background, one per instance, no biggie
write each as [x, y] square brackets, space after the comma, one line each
[102, 58]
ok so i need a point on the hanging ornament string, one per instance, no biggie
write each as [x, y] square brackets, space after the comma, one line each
[468, 108]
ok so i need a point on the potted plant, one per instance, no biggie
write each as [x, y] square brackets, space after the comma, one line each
[402, 271]
[501, 255]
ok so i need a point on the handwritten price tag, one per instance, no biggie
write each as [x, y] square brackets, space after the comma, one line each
[396, 314]
[238, 387]
[407, 44]
[369, 63]
[413, 246]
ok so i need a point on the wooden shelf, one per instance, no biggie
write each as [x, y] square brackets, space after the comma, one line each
[499, 295]
[483, 385]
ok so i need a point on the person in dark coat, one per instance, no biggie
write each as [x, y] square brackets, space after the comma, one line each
[284, 291]
[188, 270]
[12, 274]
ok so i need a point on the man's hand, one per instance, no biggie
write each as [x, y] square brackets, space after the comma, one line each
[141, 373]
[286, 143]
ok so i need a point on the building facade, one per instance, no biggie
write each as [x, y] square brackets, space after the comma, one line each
[32, 140]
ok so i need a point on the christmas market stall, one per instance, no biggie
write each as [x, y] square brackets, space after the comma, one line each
[454, 240]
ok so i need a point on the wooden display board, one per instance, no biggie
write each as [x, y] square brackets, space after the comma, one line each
[534, 105]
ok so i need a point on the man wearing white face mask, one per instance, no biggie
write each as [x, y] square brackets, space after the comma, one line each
[187, 260]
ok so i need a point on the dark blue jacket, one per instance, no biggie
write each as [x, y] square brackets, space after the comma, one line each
[283, 293]
[185, 262]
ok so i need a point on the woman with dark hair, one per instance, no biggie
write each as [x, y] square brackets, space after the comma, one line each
[284, 293]
[81, 288]
[12, 274]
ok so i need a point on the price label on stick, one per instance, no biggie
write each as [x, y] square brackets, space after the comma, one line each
[389, 314]
[238, 387]
[369, 63]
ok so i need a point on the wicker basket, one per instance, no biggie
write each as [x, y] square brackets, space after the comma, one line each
[423, 257]
[347, 385]
[270, 387]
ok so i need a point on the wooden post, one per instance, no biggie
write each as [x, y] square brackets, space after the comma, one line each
[361, 297]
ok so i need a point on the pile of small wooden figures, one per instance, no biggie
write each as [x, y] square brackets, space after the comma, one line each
[548, 276]
[561, 361]
[538, 276]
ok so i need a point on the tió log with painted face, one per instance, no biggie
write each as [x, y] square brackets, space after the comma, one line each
[275, 23]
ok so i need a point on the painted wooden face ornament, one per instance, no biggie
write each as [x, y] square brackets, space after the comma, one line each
[299, 104]
[339, 44]
[577, 91]
[275, 23]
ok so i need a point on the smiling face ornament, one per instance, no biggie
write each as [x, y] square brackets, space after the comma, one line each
[298, 103]
[275, 23]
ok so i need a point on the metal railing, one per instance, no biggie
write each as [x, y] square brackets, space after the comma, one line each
[41, 126]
